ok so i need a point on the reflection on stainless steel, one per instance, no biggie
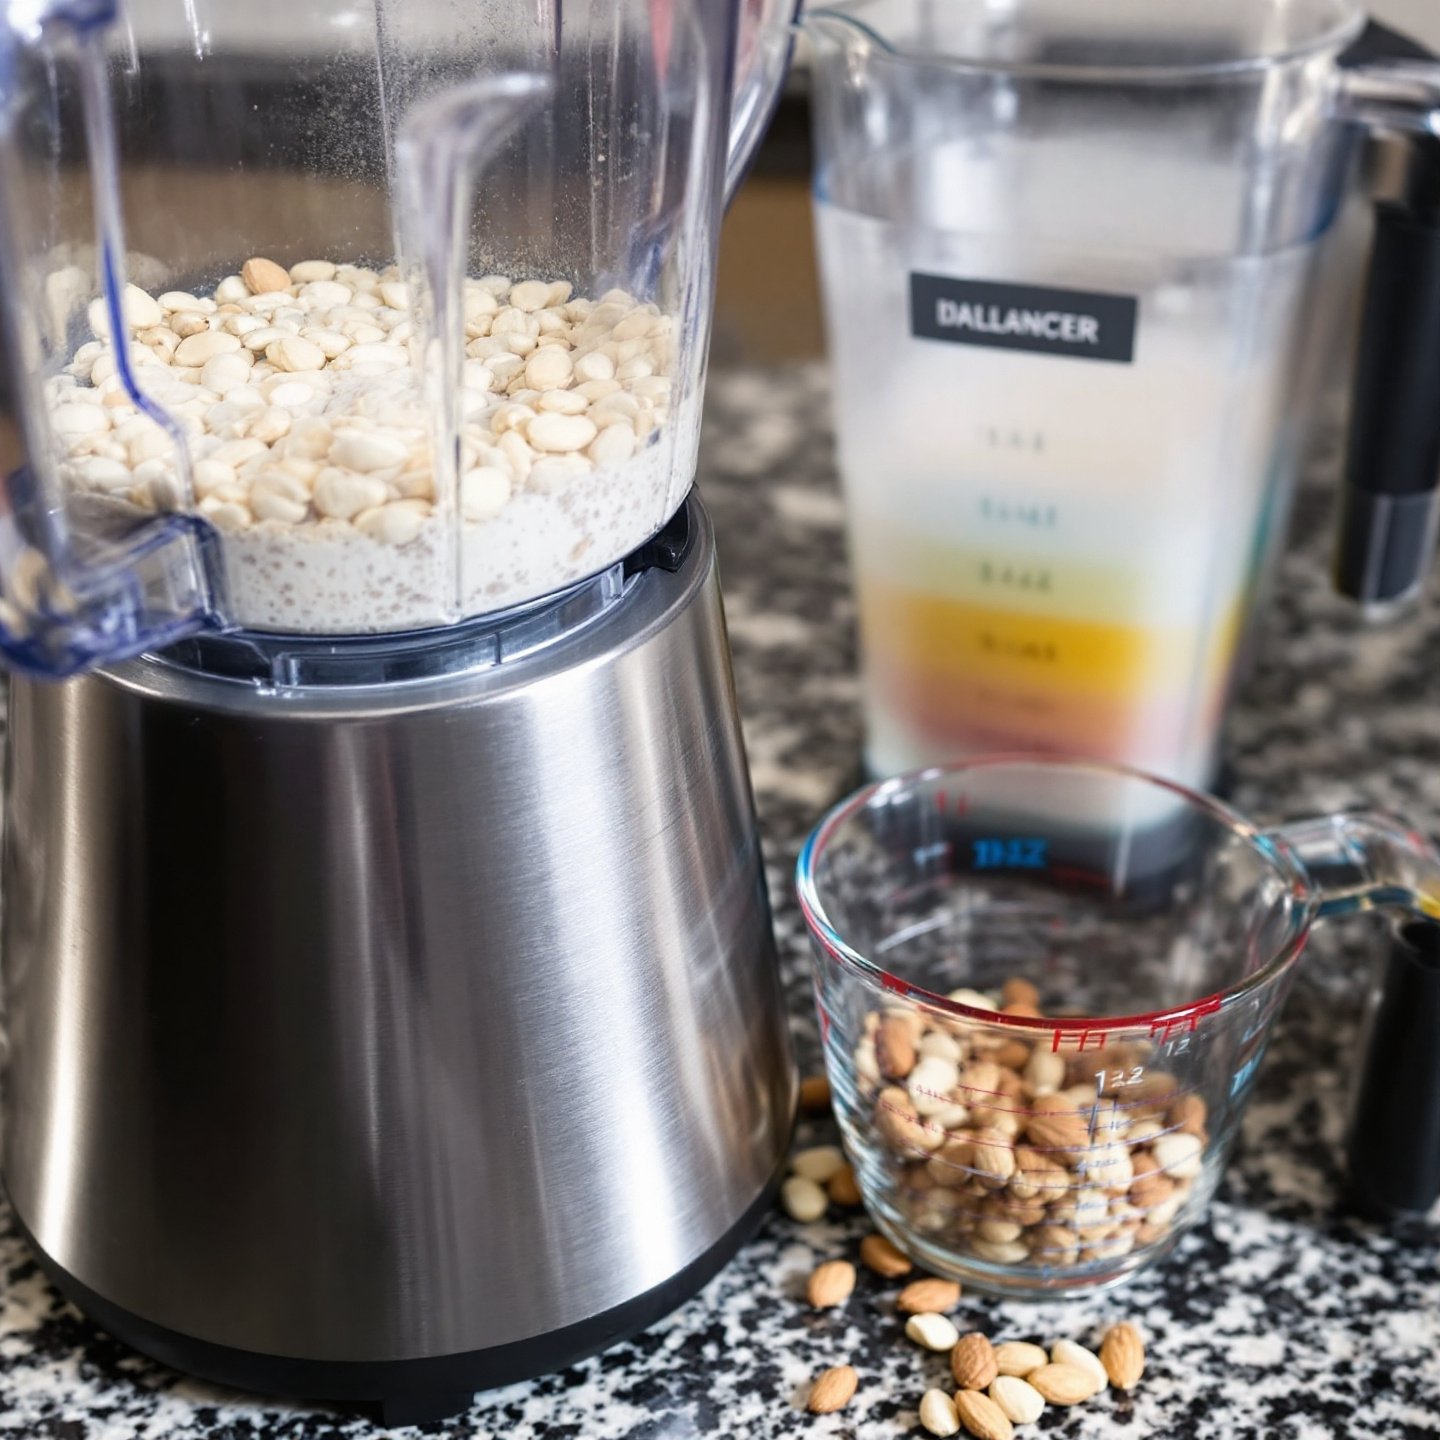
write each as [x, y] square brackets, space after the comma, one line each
[372, 1025]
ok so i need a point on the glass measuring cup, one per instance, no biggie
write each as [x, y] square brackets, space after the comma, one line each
[1045, 987]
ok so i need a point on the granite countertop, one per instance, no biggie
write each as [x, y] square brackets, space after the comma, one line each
[1280, 1316]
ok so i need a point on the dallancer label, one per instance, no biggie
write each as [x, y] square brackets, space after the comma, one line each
[1078, 323]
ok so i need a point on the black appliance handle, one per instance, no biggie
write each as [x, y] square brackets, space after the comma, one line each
[1390, 499]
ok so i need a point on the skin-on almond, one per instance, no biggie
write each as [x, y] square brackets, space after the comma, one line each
[1062, 1384]
[928, 1296]
[830, 1284]
[992, 1156]
[1188, 1114]
[843, 1189]
[879, 1255]
[262, 275]
[982, 1417]
[900, 1123]
[1122, 1353]
[972, 1361]
[814, 1095]
[1013, 1053]
[833, 1391]
[1057, 1127]
[1018, 991]
[894, 1048]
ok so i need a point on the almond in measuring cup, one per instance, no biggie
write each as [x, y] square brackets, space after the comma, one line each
[1045, 1151]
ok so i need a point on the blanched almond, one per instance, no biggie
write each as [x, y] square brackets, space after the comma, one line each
[1015, 1357]
[1062, 1384]
[1021, 1401]
[1067, 1352]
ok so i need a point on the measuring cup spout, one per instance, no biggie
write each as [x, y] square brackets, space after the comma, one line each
[1364, 861]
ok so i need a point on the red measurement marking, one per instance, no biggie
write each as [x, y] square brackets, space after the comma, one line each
[947, 804]
[1167, 1025]
[948, 1097]
[1084, 1037]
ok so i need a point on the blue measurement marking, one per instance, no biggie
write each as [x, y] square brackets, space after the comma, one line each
[1017, 854]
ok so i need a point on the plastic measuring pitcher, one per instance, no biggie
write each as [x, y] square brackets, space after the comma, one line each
[1045, 989]
[414, 299]
[1073, 269]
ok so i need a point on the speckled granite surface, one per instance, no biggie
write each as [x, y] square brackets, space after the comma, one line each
[1280, 1317]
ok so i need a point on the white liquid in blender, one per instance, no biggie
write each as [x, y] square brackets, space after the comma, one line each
[1057, 553]
[269, 448]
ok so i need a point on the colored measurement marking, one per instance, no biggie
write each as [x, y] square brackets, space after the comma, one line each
[1018, 854]
[947, 1097]
[1167, 1025]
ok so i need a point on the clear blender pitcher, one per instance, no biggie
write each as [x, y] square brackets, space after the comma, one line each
[366, 317]
[1073, 260]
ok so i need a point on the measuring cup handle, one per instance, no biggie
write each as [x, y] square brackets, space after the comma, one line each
[1364, 861]
[1391, 94]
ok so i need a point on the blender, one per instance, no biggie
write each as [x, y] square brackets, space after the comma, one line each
[391, 997]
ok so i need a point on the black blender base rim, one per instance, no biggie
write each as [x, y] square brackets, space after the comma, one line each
[409, 1392]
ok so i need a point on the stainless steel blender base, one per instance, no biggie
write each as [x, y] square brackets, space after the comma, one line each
[373, 1027]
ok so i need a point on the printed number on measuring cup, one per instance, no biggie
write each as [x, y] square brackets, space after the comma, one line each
[1024, 854]
[1118, 1079]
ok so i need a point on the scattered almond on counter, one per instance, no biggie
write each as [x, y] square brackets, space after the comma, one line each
[814, 1095]
[1067, 1352]
[1062, 1384]
[972, 1362]
[981, 1416]
[928, 1296]
[934, 1332]
[834, 1390]
[842, 1188]
[830, 1284]
[1015, 1357]
[1122, 1353]
[1021, 1401]
[819, 1163]
[938, 1414]
[803, 1199]
[884, 1258]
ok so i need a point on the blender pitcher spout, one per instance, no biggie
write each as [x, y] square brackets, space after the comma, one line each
[1363, 861]
[838, 35]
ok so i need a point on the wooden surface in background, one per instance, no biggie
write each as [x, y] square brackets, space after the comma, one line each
[767, 308]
